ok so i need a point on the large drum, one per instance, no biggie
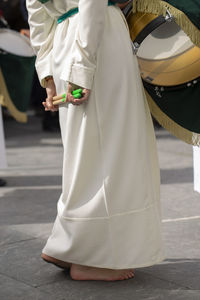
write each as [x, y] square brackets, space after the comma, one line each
[16, 72]
[170, 69]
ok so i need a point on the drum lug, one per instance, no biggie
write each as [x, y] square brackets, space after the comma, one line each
[169, 17]
[159, 91]
[192, 83]
[135, 47]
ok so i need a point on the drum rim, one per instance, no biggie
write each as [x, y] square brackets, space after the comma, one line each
[24, 38]
[149, 28]
[162, 88]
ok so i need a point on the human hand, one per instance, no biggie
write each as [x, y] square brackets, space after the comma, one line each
[51, 92]
[25, 32]
[70, 98]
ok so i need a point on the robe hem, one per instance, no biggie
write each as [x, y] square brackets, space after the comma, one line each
[135, 266]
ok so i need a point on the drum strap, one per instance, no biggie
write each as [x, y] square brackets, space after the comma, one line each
[72, 12]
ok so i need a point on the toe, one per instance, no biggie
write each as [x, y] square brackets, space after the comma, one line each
[126, 276]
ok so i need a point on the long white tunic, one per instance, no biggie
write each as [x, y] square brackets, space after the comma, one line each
[109, 209]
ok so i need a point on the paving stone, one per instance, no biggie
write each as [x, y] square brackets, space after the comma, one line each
[179, 201]
[32, 206]
[179, 175]
[22, 262]
[28, 208]
[182, 239]
[9, 235]
[144, 286]
[33, 180]
[182, 272]
[11, 289]
[39, 230]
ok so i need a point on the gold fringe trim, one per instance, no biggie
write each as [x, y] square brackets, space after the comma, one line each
[159, 7]
[134, 6]
[177, 130]
[6, 101]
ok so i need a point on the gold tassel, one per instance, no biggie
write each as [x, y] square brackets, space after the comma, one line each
[160, 7]
[171, 126]
[6, 101]
[134, 6]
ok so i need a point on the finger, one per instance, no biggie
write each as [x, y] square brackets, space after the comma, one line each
[70, 97]
[69, 88]
[50, 107]
[79, 101]
[49, 103]
[82, 100]
[86, 93]
[55, 107]
[85, 96]
[44, 104]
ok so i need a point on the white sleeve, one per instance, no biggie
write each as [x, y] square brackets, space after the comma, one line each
[42, 29]
[88, 37]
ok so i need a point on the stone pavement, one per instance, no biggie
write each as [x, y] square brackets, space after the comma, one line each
[28, 208]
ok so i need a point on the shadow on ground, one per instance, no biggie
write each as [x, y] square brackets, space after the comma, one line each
[174, 176]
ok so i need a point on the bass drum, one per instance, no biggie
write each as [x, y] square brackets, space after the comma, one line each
[166, 55]
[17, 61]
[170, 69]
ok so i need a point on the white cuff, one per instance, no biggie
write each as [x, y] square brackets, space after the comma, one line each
[79, 75]
[43, 71]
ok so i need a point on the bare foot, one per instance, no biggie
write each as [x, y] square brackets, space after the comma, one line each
[58, 263]
[79, 272]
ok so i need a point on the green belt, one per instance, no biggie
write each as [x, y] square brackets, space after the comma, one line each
[74, 11]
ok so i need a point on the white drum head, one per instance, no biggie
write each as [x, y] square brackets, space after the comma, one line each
[166, 41]
[15, 43]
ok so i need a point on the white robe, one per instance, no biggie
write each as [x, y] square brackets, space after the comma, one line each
[109, 209]
[3, 162]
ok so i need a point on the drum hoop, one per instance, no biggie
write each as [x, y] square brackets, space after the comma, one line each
[22, 37]
[163, 89]
[149, 28]
[24, 57]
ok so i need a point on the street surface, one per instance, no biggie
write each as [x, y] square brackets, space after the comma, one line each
[28, 209]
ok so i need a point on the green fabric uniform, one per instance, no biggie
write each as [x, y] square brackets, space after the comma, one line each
[16, 76]
[190, 8]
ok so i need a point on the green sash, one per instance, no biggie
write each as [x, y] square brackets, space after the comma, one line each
[43, 1]
[72, 12]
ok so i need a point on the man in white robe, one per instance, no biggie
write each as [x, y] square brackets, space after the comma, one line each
[108, 220]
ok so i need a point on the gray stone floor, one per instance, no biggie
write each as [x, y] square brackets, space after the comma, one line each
[28, 208]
